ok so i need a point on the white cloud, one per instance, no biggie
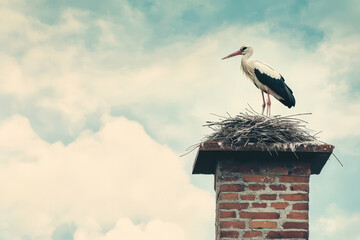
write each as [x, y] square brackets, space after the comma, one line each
[12, 80]
[72, 22]
[125, 229]
[336, 224]
[105, 176]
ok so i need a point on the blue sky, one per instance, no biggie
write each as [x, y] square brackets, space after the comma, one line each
[99, 98]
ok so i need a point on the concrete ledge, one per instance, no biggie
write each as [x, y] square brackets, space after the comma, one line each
[211, 152]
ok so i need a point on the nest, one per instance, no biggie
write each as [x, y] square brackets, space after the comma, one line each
[250, 127]
[260, 130]
[263, 131]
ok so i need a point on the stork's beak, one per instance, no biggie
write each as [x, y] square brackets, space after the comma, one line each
[233, 54]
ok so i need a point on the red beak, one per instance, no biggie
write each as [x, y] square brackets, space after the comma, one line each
[233, 54]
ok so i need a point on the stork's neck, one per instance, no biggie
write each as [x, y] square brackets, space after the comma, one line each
[245, 59]
[246, 56]
[245, 65]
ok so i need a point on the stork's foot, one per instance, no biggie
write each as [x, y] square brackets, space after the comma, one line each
[268, 109]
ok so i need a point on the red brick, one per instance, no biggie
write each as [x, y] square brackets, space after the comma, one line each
[228, 179]
[262, 224]
[300, 187]
[258, 178]
[229, 214]
[259, 215]
[287, 234]
[252, 234]
[278, 187]
[280, 205]
[301, 170]
[237, 206]
[295, 197]
[238, 225]
[296, 225]
[229, 196]
[278, 170]
[259, 205]
[300, 206]
[248, 197]
[298, 215]
[232, 188]
[297, 179]
[256, 187]
[229, 234]
[267, 196]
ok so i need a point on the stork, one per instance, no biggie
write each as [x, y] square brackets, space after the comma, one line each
[265, 78]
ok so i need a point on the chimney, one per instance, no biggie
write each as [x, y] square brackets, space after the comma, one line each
[261, 193]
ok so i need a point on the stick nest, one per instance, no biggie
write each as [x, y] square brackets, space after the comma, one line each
[250, 127]
[263, 131]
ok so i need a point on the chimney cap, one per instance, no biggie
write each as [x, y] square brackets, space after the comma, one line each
[210, 152]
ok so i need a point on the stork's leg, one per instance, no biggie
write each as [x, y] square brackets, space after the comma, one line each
[268, 104]
[263, 105]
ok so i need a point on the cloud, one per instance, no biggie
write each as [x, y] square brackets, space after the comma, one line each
[336, 224]
[116, 175]
[125, 229]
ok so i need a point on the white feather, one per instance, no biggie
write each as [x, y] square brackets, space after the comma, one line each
[266, 69]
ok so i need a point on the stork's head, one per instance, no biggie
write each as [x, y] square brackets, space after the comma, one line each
[244, 50]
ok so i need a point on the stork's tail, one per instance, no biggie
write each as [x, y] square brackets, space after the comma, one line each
[289, 100]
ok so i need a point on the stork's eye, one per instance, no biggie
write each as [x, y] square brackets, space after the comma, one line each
[244, 48]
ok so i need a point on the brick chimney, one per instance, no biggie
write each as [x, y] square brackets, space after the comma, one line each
[261, 193]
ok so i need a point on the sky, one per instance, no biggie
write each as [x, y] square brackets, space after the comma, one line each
[100, 98]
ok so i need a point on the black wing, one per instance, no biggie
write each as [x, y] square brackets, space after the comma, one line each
[278, 86]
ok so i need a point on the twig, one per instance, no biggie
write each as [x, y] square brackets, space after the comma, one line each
[338, 160]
